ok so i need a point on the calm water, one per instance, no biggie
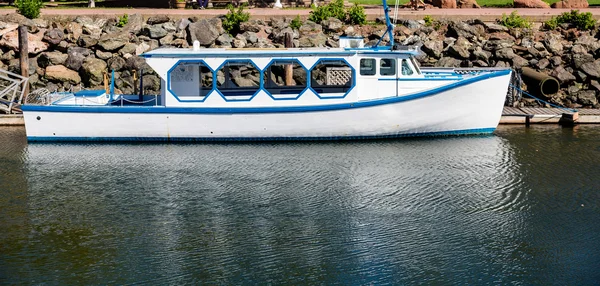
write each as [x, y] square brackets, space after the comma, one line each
[519, 207]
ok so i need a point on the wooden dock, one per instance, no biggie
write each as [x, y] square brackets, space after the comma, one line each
[510, 115]
[11, 120]
[520, 115]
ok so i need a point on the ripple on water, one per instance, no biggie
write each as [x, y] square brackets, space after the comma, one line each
[385, 212]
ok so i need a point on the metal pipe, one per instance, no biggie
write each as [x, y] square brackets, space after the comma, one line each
[540, 83]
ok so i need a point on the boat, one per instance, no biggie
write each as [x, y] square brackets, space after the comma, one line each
[221, 94]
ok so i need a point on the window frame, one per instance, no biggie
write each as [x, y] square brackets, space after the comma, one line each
[374, 67]
[393, 68]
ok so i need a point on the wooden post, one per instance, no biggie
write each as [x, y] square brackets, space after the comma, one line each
[24, 56]
[289, 69]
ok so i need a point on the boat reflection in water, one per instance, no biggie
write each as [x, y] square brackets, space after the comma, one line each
[442, 210]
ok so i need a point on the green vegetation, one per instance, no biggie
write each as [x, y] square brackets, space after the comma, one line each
[514, 21]
[123, 20]
[551, 24]
[296, 23]
[233, 19]
[377, 2]
[356, 15]
[583, 21]
[428, 20]
[334, 9]
[29, 8]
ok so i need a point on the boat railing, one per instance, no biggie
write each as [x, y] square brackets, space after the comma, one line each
[12, 90]
[124, 101]
[43, 96]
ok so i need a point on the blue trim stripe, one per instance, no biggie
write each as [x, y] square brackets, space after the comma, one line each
[419, 79]
[279, 53]
[281, 109]
[479, 131]
[246, 54]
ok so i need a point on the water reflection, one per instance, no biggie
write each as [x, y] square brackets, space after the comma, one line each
[451, 210]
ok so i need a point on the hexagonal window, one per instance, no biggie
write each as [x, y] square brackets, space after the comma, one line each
[193, 79]
[332, 78]
[285, 79]
[238, 80]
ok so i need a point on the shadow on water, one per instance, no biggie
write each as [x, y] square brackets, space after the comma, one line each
[453, 210]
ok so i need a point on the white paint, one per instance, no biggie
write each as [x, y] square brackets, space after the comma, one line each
[474, 106]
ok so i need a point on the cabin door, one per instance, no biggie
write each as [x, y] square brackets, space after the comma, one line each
[388, 77]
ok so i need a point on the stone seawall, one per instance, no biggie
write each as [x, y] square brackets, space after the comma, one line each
[74, 54]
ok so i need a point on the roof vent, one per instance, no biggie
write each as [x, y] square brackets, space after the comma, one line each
[351, 42]
[196, 45]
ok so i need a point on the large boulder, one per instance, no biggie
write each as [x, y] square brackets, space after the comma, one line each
[158, 19]
[448, 62]
[562, 75]
[251, 26]
[137, 63]
[116, 63]
[591, 68]
[73, 31]
[205, 31]
[446, 4]
[87, 41]
[19, 19]
[93, 30]
[278, 35]
[51, 58]
[553, 43]
[569, 4]
[499, 40]
[114, 41]
[333, 24]
[589, 42]
[433, 48]
[462, 29]
[587, 97]
[530, 4]
[53, 36]
[467, 4]
[155, 31]
[460, 48]
[505, 54]
[61, 73]
[35, 44]
[134, 24]
[311, 35]
[181, 24]
[93, 70]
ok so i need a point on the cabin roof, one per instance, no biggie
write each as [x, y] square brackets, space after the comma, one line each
[270, 52]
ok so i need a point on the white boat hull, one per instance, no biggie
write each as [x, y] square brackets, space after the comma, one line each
[475, 107]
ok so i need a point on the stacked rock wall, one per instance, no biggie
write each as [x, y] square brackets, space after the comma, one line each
[71, 54]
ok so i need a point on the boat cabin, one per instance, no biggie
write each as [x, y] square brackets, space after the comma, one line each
[284, 77]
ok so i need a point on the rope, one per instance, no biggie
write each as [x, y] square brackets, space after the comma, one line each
[133, 101]
[541, 100]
